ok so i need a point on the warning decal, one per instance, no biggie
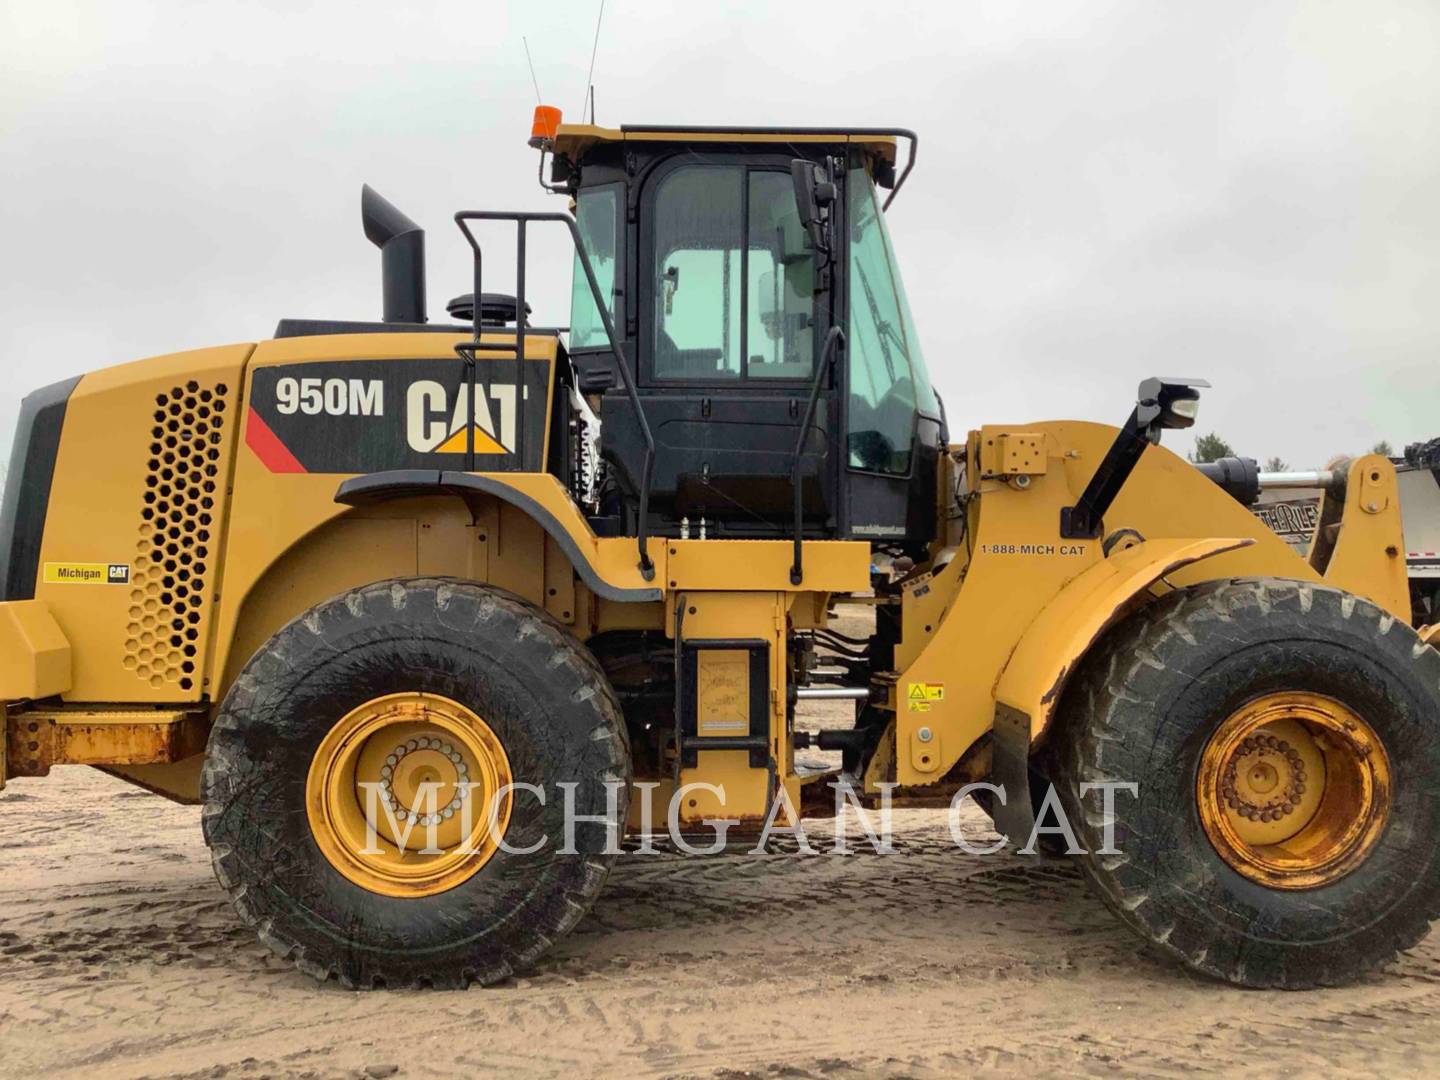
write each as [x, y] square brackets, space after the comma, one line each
[921, 696]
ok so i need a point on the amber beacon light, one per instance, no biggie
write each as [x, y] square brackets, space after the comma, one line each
[545, 124]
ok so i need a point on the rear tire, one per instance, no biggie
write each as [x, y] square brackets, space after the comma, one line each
[482, 653]
[1147, 707]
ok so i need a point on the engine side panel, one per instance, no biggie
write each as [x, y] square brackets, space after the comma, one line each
[129, 560]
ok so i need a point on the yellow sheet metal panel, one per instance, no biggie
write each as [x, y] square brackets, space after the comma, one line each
[289, 547]
[961, 636]
[1059, 637]
[178, 781]
[35, 655]
[140, 481]
[1013, 453]
[285, 546]
[615, 559]
[1166, 498]
[829, 565]
[345, 554]
[560, 590]
[736, 616]
[399, 346]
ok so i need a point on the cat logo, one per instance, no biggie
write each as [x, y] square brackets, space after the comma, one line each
[434, 426]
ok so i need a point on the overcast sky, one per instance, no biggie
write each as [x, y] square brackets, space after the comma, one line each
[1243, 191]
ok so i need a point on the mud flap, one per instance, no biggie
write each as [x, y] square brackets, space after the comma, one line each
[1010, 769]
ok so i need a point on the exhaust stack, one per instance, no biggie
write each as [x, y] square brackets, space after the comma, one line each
[402, 256]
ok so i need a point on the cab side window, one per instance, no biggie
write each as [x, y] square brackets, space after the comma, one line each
[597, 218]
[781, 273]
[697, 273]
[732, 285]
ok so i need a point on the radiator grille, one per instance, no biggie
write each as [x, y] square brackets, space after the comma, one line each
[175, 545]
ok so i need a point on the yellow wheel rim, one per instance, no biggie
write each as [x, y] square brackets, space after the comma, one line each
[1294, 790]
[408, 795]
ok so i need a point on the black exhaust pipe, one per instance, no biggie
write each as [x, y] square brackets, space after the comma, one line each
[402, 256]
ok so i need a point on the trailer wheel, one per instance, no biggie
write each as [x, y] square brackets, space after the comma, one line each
[372, 757]
[1285, 740]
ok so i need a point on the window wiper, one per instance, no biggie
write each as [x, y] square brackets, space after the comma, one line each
[883, 328]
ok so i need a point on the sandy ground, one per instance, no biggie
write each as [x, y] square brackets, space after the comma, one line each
[121, 957]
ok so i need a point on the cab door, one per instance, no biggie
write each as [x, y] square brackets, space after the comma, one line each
[727, 331]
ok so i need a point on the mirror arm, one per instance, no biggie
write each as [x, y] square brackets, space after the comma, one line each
[1152, 412]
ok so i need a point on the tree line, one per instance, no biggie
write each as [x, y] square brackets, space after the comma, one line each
[1213, 447]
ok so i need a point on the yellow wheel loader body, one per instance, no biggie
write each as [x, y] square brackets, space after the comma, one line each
[663, 506]
[1004, 618]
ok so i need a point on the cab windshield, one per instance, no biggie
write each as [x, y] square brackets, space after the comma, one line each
[888, 381]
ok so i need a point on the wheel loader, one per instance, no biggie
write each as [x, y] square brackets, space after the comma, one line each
[346, 585]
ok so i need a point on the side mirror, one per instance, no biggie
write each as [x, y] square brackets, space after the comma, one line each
[1168, 404]
[804, 176]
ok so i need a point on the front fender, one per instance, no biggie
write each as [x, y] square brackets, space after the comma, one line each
[1053, 645]
[1030, 686]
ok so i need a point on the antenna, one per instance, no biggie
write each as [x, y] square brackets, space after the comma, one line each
[590, 78]
[533, 79]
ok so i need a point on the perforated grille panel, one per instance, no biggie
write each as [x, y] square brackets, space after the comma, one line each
[176, 543]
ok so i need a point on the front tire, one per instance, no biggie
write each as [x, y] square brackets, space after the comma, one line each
[414, 682]
[1285, 738]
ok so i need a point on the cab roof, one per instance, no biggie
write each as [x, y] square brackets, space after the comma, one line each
[573, 141]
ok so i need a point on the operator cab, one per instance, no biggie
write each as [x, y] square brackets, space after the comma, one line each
[722, 297]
